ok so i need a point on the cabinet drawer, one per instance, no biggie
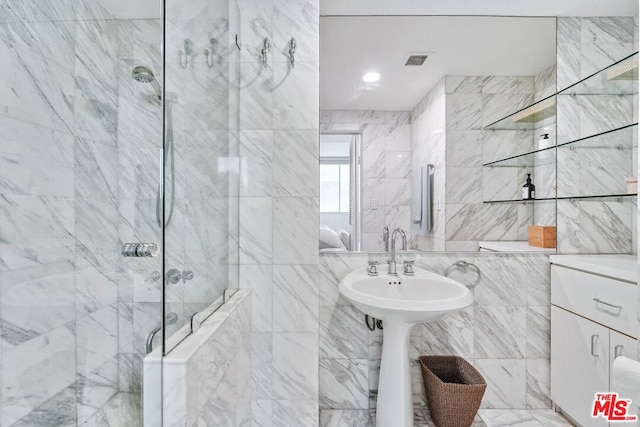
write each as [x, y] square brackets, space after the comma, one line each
[607, 301]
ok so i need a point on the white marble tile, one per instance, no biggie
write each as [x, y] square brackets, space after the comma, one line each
[343, 334]
[464, 112]
[610, 29]
[397, 192]
[299, 20]
[500, 144]
[256, 236]
[569, 29]
[464, 148]
[295, 298]
[295, 229]
[295, 163]
[507, 85]
[497, 106]
[35, 301]
[258, 278]
[538, 384]
[290, 413]
[496, 418]
[97, 340]
[261, 413]
[262, 373]
[462, 185]
[506, 383]
[500, 332]
[397, 164]
[25, 368]
[547, 417]
[373, 164]
[256, 151]
[96, 388]
[295, 101]
[452, 334]
[464, 84]
[344, 384]
[346, 418]
[25, 71]
[538, 332]
[295, 366]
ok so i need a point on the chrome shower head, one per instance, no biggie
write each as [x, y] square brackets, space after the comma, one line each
[143, 74]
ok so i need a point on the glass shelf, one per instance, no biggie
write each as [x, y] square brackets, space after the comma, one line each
[620, 78]
[620, 138]
[526, 118]
[604, 196]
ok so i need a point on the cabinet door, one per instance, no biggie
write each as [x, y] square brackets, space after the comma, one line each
[579, 365]
[620, 345]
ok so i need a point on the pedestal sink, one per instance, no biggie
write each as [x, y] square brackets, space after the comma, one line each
[401, 302]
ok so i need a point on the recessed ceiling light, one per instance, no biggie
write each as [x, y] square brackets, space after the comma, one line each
[371, 77]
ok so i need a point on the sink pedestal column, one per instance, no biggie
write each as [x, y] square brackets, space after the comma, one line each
[395, 402]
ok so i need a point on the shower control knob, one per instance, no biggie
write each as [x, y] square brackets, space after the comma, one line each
[139, 250]
[173, 276]
[187, 275]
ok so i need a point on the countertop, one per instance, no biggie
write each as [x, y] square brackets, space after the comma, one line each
[621, 267]
[516, 246]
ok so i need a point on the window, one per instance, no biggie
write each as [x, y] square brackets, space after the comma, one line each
[334, 187]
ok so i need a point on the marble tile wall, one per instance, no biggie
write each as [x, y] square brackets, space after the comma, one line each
[386, 159]
[207, 378]
[428, 145]
[586, 45]
[512, 297]
[472, 103]
[59, 194]
[544, 171]
[279, 207]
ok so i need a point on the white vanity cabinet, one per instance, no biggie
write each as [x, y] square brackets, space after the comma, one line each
[593, 320]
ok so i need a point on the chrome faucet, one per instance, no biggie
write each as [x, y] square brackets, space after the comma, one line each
[385, 238]
[392, 257]
[169, 320]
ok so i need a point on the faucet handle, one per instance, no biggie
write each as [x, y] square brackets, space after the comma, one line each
[372, 270]
[408, 268]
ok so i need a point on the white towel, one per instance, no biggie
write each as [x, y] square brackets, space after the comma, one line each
[626, 380]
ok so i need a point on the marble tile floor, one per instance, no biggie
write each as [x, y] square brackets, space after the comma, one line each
[485, 418]
[123, 409]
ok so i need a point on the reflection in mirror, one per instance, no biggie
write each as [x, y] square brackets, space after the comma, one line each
[423, 92]
[340, 192]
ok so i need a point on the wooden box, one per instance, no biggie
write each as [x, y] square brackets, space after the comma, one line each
[542, 236]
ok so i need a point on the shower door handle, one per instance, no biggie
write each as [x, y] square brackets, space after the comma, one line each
[139, 250]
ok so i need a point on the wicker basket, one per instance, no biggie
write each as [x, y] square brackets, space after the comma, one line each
[454, 390]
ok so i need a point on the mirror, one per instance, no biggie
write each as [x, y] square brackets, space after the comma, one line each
[409, 108]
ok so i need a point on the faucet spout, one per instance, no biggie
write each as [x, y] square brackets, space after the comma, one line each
[392, 258]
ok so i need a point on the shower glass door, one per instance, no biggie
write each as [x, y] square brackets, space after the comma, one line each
[81, 142]
[200, 161]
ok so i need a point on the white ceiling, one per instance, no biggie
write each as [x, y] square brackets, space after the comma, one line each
[481, 7]
[458, 45]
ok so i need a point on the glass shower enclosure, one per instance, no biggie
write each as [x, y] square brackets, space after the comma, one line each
[118, 126]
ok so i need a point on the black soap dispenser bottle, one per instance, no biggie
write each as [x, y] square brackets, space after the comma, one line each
[528, 189]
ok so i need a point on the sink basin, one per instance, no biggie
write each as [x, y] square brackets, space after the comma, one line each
[401, 302]
[415, 299]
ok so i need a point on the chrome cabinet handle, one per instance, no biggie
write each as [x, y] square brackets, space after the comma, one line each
[617, 307]
[617, 351]
[594, 340]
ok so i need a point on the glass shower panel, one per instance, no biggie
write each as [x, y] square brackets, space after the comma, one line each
[80, 148]
[201, 185]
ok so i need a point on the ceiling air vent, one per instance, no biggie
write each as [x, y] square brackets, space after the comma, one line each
[417, 59]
